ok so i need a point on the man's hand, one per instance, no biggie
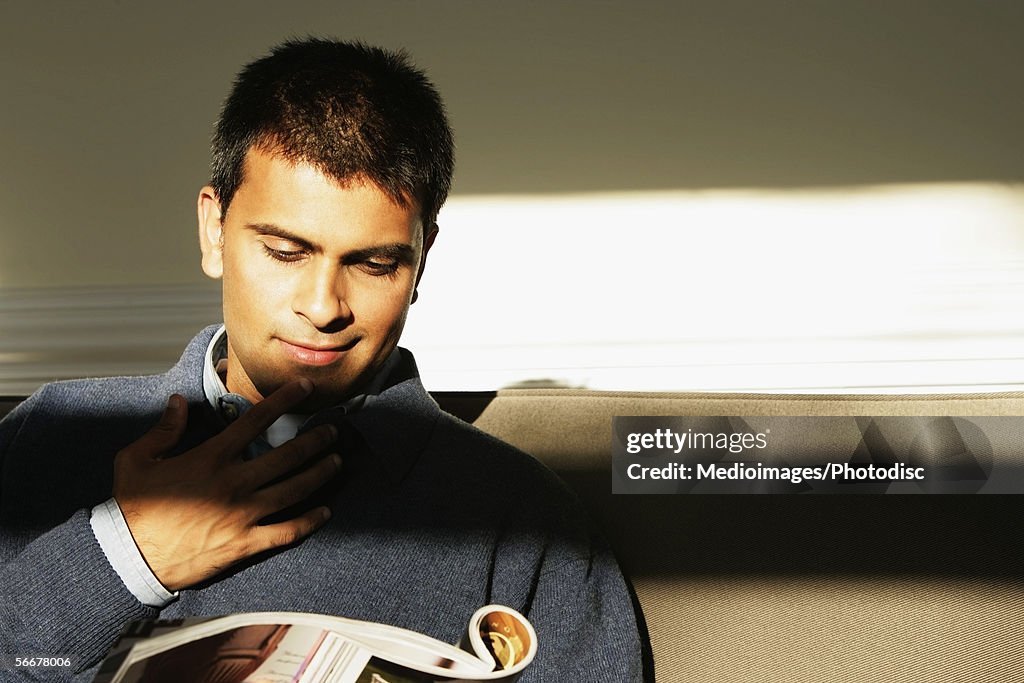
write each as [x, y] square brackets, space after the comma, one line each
[194, 515]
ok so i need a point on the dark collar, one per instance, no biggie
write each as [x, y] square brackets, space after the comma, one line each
[397, 423]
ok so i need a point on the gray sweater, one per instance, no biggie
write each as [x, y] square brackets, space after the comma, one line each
[432, 519]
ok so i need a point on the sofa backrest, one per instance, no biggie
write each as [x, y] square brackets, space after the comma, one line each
[749, 588]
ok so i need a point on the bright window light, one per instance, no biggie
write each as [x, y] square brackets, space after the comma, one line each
[890, 288]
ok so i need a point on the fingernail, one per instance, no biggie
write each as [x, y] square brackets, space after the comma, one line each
[174, 403]
[325, 513]
[306, 385]
[332, 431]
[336, 459]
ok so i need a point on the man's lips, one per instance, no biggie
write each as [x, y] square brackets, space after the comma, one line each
[316, 355]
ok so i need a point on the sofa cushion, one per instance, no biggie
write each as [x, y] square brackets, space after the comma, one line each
[795, 588]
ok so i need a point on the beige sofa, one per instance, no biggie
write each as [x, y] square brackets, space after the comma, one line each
[794, 588]
[791, 588]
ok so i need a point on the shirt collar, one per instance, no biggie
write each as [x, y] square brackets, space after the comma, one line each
[216, 353]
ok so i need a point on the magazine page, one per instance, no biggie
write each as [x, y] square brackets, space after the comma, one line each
[280, 647]
[502, 637]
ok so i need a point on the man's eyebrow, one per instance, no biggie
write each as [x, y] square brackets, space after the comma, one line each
[277, 231]
[399, 252]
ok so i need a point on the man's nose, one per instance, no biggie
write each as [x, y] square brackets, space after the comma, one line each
[321, 296]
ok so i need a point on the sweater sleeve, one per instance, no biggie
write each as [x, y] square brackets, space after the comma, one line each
[553, 567]
[585, 622]
[59, 596]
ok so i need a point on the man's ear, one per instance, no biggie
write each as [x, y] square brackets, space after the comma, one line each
[428, 241]
[211, 232]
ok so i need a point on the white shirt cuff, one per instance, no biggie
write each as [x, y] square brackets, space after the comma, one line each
[118, 545]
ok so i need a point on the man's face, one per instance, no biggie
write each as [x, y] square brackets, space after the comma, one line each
[317, 277]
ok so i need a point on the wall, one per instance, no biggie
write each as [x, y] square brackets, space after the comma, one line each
[107, 111]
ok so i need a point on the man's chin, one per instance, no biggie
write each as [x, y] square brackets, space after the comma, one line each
[332, 384]
[326, 394]
[327, 397]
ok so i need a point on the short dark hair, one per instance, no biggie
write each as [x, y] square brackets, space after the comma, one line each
[347, 109]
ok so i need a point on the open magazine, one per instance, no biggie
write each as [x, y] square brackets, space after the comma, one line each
[289, 647]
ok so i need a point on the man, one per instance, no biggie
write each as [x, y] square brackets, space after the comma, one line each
[330, 163]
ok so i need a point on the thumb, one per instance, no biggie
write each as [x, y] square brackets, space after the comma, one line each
[163, 436]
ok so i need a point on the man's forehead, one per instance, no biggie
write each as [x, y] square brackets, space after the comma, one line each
[260, 158]
[296, 200]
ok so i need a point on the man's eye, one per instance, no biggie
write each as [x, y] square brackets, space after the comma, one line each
[379, 267]
[285, 255]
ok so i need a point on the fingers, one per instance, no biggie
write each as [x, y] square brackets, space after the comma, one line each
[256, 420]
[270, 536]
[296, 488]
[165, 434]
[287, 456]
